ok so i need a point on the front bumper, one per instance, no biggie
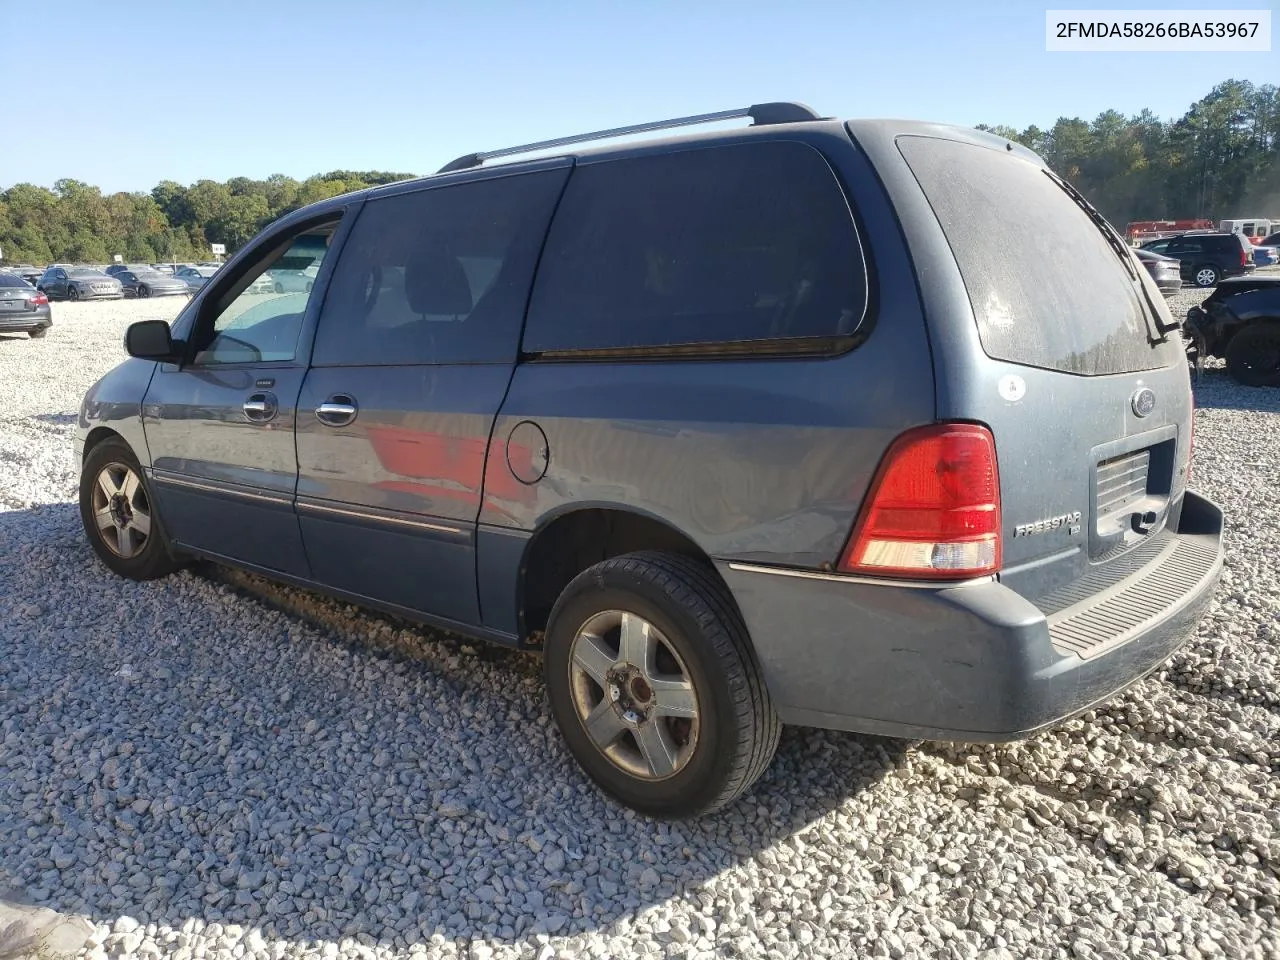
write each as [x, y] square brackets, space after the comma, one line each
[975, 662]
[100, 295]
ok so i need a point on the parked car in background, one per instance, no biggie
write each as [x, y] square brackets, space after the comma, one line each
[1165, 271]
[151, 283]
[1207, 258]
[26, 271]
[1271, 240]
[117, 268]
[1240, 322]
[79, 283]
[169, 268]
[1264, 256]
[294, 281]
[194, 277]
[23, 308]
[631, 407]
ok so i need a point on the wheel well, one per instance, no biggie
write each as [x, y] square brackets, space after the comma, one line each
[95, 437]
[569, 544]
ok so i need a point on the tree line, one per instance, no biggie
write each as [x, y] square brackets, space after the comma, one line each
[76, 223]
[1219, 159]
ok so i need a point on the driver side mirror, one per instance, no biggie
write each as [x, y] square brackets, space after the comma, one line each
[150, 340]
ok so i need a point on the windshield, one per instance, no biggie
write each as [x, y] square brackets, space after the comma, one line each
[1046, 286]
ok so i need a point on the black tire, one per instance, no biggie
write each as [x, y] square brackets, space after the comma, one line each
[1253, 355]
[143, 290]
[37, 333]
[309, 284]
[738, 729]
[279, 287]
[73, 293]
[155, 558]
[1206, 275]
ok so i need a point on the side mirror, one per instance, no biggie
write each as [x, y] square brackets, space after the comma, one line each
[150, 340]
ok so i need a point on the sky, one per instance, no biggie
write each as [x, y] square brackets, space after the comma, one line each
[195, 89]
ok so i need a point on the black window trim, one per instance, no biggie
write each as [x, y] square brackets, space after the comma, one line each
[724, 350]
[463, 178]
[217, 293]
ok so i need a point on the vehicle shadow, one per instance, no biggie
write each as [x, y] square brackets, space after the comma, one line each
[207, 748]
[1214, 389]
[57, 419]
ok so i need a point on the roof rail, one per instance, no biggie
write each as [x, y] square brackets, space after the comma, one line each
[760, 114]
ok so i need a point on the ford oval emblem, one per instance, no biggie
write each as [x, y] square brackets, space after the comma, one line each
[1143, 402]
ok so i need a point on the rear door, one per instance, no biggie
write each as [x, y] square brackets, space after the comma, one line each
[1061, 355]
[414, 352]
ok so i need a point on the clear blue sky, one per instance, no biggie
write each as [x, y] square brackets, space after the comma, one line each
[220, 88]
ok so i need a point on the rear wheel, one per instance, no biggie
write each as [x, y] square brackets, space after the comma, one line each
[1253, 356]
[655, 686]
[37, 333]
[119, 515]
[1207, 275]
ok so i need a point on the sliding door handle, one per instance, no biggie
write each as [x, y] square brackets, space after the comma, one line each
[338, 411]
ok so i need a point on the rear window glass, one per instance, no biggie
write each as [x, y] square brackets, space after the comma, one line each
[12, 280]
[1046, 288]
[748, 242]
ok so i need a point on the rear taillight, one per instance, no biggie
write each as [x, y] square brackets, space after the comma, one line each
[1246, 257]
[39, 300]
[933, 509]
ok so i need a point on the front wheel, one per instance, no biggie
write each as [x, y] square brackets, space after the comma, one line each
[1253, 356]
[119, 515]
[655, 686]
[73, 293]
[144, 290]
[1207, 275]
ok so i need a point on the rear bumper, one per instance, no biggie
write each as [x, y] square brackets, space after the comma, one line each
[27, 320]
[975, 662]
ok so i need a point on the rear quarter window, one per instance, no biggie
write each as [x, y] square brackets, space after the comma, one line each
[1046, 288]
[712, 246]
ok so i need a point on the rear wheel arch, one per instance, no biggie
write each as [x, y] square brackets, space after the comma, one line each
[572, 541]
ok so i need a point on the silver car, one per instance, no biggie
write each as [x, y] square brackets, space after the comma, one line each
[151, 283]
[195, 277]
[79, 283]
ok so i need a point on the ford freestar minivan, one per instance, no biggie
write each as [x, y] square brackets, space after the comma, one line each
[876, 426]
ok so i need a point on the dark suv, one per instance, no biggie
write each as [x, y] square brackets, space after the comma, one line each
[784, 424]
[1207, 257]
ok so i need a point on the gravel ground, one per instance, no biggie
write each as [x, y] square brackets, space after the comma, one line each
[215, 766]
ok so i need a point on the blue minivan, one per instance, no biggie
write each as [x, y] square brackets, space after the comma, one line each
[867, 425]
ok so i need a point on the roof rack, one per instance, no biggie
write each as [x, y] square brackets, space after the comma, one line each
[761, 114]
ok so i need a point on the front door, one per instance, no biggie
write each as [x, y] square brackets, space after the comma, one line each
[414, 350]
[220, 426]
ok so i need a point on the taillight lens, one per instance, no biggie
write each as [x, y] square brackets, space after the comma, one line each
[39, 300]
[1246, 258]
[933, 509]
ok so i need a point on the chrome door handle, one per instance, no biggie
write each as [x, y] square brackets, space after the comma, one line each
[260, 407]
[338, 411]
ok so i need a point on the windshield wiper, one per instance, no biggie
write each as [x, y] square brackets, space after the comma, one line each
[1157, 332]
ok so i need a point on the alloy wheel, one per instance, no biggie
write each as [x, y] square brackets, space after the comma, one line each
[121, 510]
[633, 695]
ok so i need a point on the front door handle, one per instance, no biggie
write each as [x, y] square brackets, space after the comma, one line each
[261, 407]
[338, 411]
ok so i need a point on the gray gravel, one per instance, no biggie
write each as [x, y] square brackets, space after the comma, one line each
[215, 766]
